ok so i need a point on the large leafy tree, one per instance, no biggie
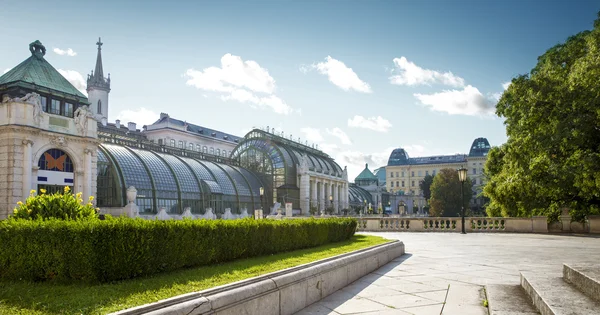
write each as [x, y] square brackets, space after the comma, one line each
[552, 156]
[425, 186]
[445, 194]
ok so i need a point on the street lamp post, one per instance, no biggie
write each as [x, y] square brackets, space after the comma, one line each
[331, 202]
[462, 177]
[365, 208]
[262, 192]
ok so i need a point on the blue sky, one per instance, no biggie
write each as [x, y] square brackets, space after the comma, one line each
[359, 78]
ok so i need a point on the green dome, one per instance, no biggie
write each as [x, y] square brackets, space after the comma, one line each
[366, 174]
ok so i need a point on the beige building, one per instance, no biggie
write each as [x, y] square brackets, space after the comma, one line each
[48, 135]
[404, 174]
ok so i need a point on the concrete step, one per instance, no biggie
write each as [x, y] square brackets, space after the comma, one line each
[551, 295]
[504, 299]
[586, 278]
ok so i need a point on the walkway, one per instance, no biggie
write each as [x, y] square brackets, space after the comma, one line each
[451, 267]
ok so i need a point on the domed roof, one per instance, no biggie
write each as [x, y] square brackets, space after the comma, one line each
[480, 147]
[366, 174]
[398, 157]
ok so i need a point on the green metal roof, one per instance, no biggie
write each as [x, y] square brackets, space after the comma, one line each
[35, 71]
[366, 174]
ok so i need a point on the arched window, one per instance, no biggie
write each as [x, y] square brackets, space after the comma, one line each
[55, 171]
[99, 107]
[198, 148]
[225, 153]
[191, 147]
[204, 149]
[55, 160]
[212, 150]
[181, 144]
[173, 142]
[218, 151]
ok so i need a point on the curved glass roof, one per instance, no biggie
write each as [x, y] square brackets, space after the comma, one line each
[221, 178]
[163, 179]
[203, 174]
[238, 179]
[289, 152]
[160, 172]
[187, 180]
[358, 195]
[133, 171]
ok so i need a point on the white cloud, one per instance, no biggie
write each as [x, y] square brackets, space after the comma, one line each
[468, 101]
[239, 80]
[411, 74]
[378, 123]
[312, 134]
[68, 52]
[140, 116]
[340, 134]
[271, 101]
[505, 85]
[6, 70]
[340, 75]
[355, 160]
[76, 79]
[414, 149]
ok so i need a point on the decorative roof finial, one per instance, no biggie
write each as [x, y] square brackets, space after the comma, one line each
[37, 49]
[99, 43]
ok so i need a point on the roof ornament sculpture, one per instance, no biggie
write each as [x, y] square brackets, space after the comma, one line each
[37, 49]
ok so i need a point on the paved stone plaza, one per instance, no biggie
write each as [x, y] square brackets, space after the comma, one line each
[454, 268]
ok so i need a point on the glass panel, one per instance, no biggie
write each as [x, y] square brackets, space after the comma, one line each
[68, 110]
[44, 103]
[221, 178]
[55, 107]
[186, 179]
[238, 179]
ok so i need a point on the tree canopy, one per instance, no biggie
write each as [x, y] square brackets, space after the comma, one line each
[425, 186]
[552, 156]
[445, 194]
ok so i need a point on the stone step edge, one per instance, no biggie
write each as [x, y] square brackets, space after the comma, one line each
[496, 300]
[584, 283]
[538, 301]
[197, 299]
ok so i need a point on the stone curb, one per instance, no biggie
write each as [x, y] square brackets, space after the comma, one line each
[586, 283]
[282, 292]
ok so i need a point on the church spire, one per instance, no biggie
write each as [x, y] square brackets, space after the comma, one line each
[96, 79]
[98, 70]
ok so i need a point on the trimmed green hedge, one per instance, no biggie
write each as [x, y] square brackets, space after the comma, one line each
[123, 248]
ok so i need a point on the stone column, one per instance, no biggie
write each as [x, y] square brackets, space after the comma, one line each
[336, 198]
[313, 193]
[322, 196]
[87, 174]
[27, 168]
[304, 193]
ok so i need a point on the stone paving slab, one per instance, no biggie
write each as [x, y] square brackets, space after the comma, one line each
[450, 270]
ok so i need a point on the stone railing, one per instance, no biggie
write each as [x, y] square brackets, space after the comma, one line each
[453, 224]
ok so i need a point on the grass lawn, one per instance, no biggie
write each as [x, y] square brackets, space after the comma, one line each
[48, 298]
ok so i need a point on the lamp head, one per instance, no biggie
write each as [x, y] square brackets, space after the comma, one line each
[462, 174]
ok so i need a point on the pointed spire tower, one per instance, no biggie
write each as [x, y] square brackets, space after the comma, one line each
[98, 88]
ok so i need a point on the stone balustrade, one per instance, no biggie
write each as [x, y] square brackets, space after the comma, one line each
[454, 224]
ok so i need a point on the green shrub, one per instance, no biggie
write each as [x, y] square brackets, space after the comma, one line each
[122, 248]
[65, 206]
